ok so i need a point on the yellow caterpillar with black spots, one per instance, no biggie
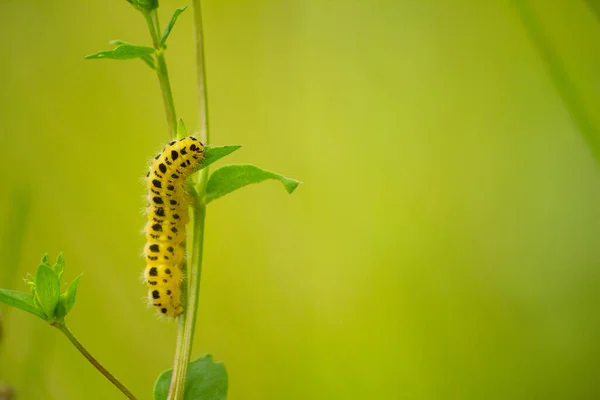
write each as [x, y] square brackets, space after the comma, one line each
[167, 216]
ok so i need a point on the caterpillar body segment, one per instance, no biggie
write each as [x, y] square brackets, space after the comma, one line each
[167, 217]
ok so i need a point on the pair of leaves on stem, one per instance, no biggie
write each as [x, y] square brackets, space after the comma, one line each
[44, 299]
[128, 51]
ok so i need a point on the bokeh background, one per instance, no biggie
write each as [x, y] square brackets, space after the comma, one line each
[445, 243]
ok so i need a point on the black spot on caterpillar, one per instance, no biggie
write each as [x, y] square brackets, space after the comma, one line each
[164, 253]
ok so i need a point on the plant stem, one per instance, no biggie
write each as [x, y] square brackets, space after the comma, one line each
[161, 71]
[187, 321]
[63, 328]
[563, 83]
[200, 71]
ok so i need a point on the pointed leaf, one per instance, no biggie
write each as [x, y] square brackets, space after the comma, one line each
[232, 177]
[59, 267]
[47, 288]
[23, 301]
[212, 154]
[147, 59]
[169, 27]
[206, 380]
[144, 5]
[123, 51]
[67, 299]
[46, 259]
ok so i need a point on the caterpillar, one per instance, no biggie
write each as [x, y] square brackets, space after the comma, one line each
[167, 216]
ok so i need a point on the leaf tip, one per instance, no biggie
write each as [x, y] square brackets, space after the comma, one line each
[46, 259]
[290, 185]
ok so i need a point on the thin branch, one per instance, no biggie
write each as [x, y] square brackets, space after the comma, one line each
[63, 328]
[162, 72]
[561, 79]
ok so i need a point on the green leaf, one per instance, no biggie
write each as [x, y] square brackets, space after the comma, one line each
[147, 59]
[123, 51]
[46, 259]
[59, 267]
[167, 31]
[144, 5]
[181, 129]
[117, 42]
[232, 177]
[206, 380]
[212, 154]
[67, 299]
[47, 288]
[23, 301]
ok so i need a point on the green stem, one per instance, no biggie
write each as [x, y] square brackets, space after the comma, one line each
[161, 71]
[560, 77]
[200, 71]
[63, 328]
[187, 321]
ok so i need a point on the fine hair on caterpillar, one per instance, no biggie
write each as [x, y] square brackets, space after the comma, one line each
[167, 213]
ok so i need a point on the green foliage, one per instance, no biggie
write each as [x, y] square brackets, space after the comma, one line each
[144, 5]
[47, 286]
[169, 27]
[45, 299]
[45, 259]
[148, 59]
[206, 380]
[23, 301]
[212, 154]
[232, 177]
[583, 116]
[67, 299]
[124, 51]
[59, 267]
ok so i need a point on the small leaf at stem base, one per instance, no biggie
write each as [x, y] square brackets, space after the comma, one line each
[206, 380]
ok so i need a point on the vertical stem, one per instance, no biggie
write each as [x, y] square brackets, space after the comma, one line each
[187, 321]
[63, 328]
[161, 71]
[200, 71]
[562, 81]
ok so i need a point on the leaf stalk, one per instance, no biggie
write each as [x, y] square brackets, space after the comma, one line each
[162, 72]
[61, 326]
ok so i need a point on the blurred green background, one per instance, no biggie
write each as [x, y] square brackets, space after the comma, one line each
[445, 243]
